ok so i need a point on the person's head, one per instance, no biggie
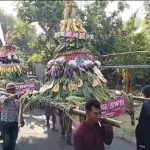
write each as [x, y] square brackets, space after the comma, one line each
[10, 88]
[93, 110]
[146, 90]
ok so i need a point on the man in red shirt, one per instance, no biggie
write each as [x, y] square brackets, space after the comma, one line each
[91, 134]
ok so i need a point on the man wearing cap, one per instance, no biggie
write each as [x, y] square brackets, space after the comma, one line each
[9, 117]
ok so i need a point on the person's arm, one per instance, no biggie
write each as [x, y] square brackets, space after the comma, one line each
[78, 142]
[4, 93]
[10, 98]
[22, 123]
[2, 89]
[107, 131]
[6, 97]
[145, 111]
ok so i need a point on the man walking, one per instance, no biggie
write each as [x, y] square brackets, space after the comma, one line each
[91, 134]
[142, 131]
[9, 117]
[50, 111]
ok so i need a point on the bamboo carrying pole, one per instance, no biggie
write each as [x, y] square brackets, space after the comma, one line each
[109, 121]
[140, 98]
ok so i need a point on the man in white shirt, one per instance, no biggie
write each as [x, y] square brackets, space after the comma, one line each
[9, 117]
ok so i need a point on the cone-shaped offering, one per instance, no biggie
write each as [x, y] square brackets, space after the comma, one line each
[72, 74]
[10, 63]
[73, 70]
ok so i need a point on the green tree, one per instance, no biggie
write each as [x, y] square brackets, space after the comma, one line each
[131, 41]
[105, 28]
[46, 13]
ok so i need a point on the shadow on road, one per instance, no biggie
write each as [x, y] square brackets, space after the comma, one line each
[36, 135]
[48, 140]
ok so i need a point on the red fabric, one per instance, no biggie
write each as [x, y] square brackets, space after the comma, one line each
[92, 137]
[114, 107]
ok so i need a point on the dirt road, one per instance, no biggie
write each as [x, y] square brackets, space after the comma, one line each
[35, 135]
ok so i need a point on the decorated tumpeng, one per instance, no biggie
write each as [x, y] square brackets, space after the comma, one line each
[73, 73]
[10, 63]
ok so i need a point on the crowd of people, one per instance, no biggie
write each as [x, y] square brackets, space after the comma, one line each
[92, 134]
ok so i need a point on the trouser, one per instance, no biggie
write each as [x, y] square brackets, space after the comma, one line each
[49, 111]
[142, 137]
[9, 135]
[67, 134]
[60, 112]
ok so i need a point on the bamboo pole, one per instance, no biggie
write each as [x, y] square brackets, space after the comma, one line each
[126, 67]
[140, 98]
[125, 53]
[109, 121]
